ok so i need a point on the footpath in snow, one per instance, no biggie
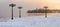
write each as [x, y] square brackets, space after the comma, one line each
[34, 21]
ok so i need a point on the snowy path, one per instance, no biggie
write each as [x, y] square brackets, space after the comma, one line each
[34, 21]
[4, 19]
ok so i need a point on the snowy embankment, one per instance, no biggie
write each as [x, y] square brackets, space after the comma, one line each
[34, 21]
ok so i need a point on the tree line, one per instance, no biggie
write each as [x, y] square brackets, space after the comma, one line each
[43, 11]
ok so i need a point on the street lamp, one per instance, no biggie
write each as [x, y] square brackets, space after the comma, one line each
[19, 11]
[12, 5]
[45, 11]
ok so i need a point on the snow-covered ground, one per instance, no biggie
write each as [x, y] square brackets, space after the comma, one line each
[33, 21]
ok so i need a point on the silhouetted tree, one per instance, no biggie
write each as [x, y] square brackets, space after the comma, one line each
[29, 11]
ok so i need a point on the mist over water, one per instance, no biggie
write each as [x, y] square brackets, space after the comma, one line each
[42, 14]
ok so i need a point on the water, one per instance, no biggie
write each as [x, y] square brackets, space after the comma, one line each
[41, 14]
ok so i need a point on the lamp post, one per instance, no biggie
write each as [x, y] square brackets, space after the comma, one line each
[45, 11]
[12, 5]
[19, 11]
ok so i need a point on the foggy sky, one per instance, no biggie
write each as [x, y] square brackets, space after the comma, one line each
[5, 10]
